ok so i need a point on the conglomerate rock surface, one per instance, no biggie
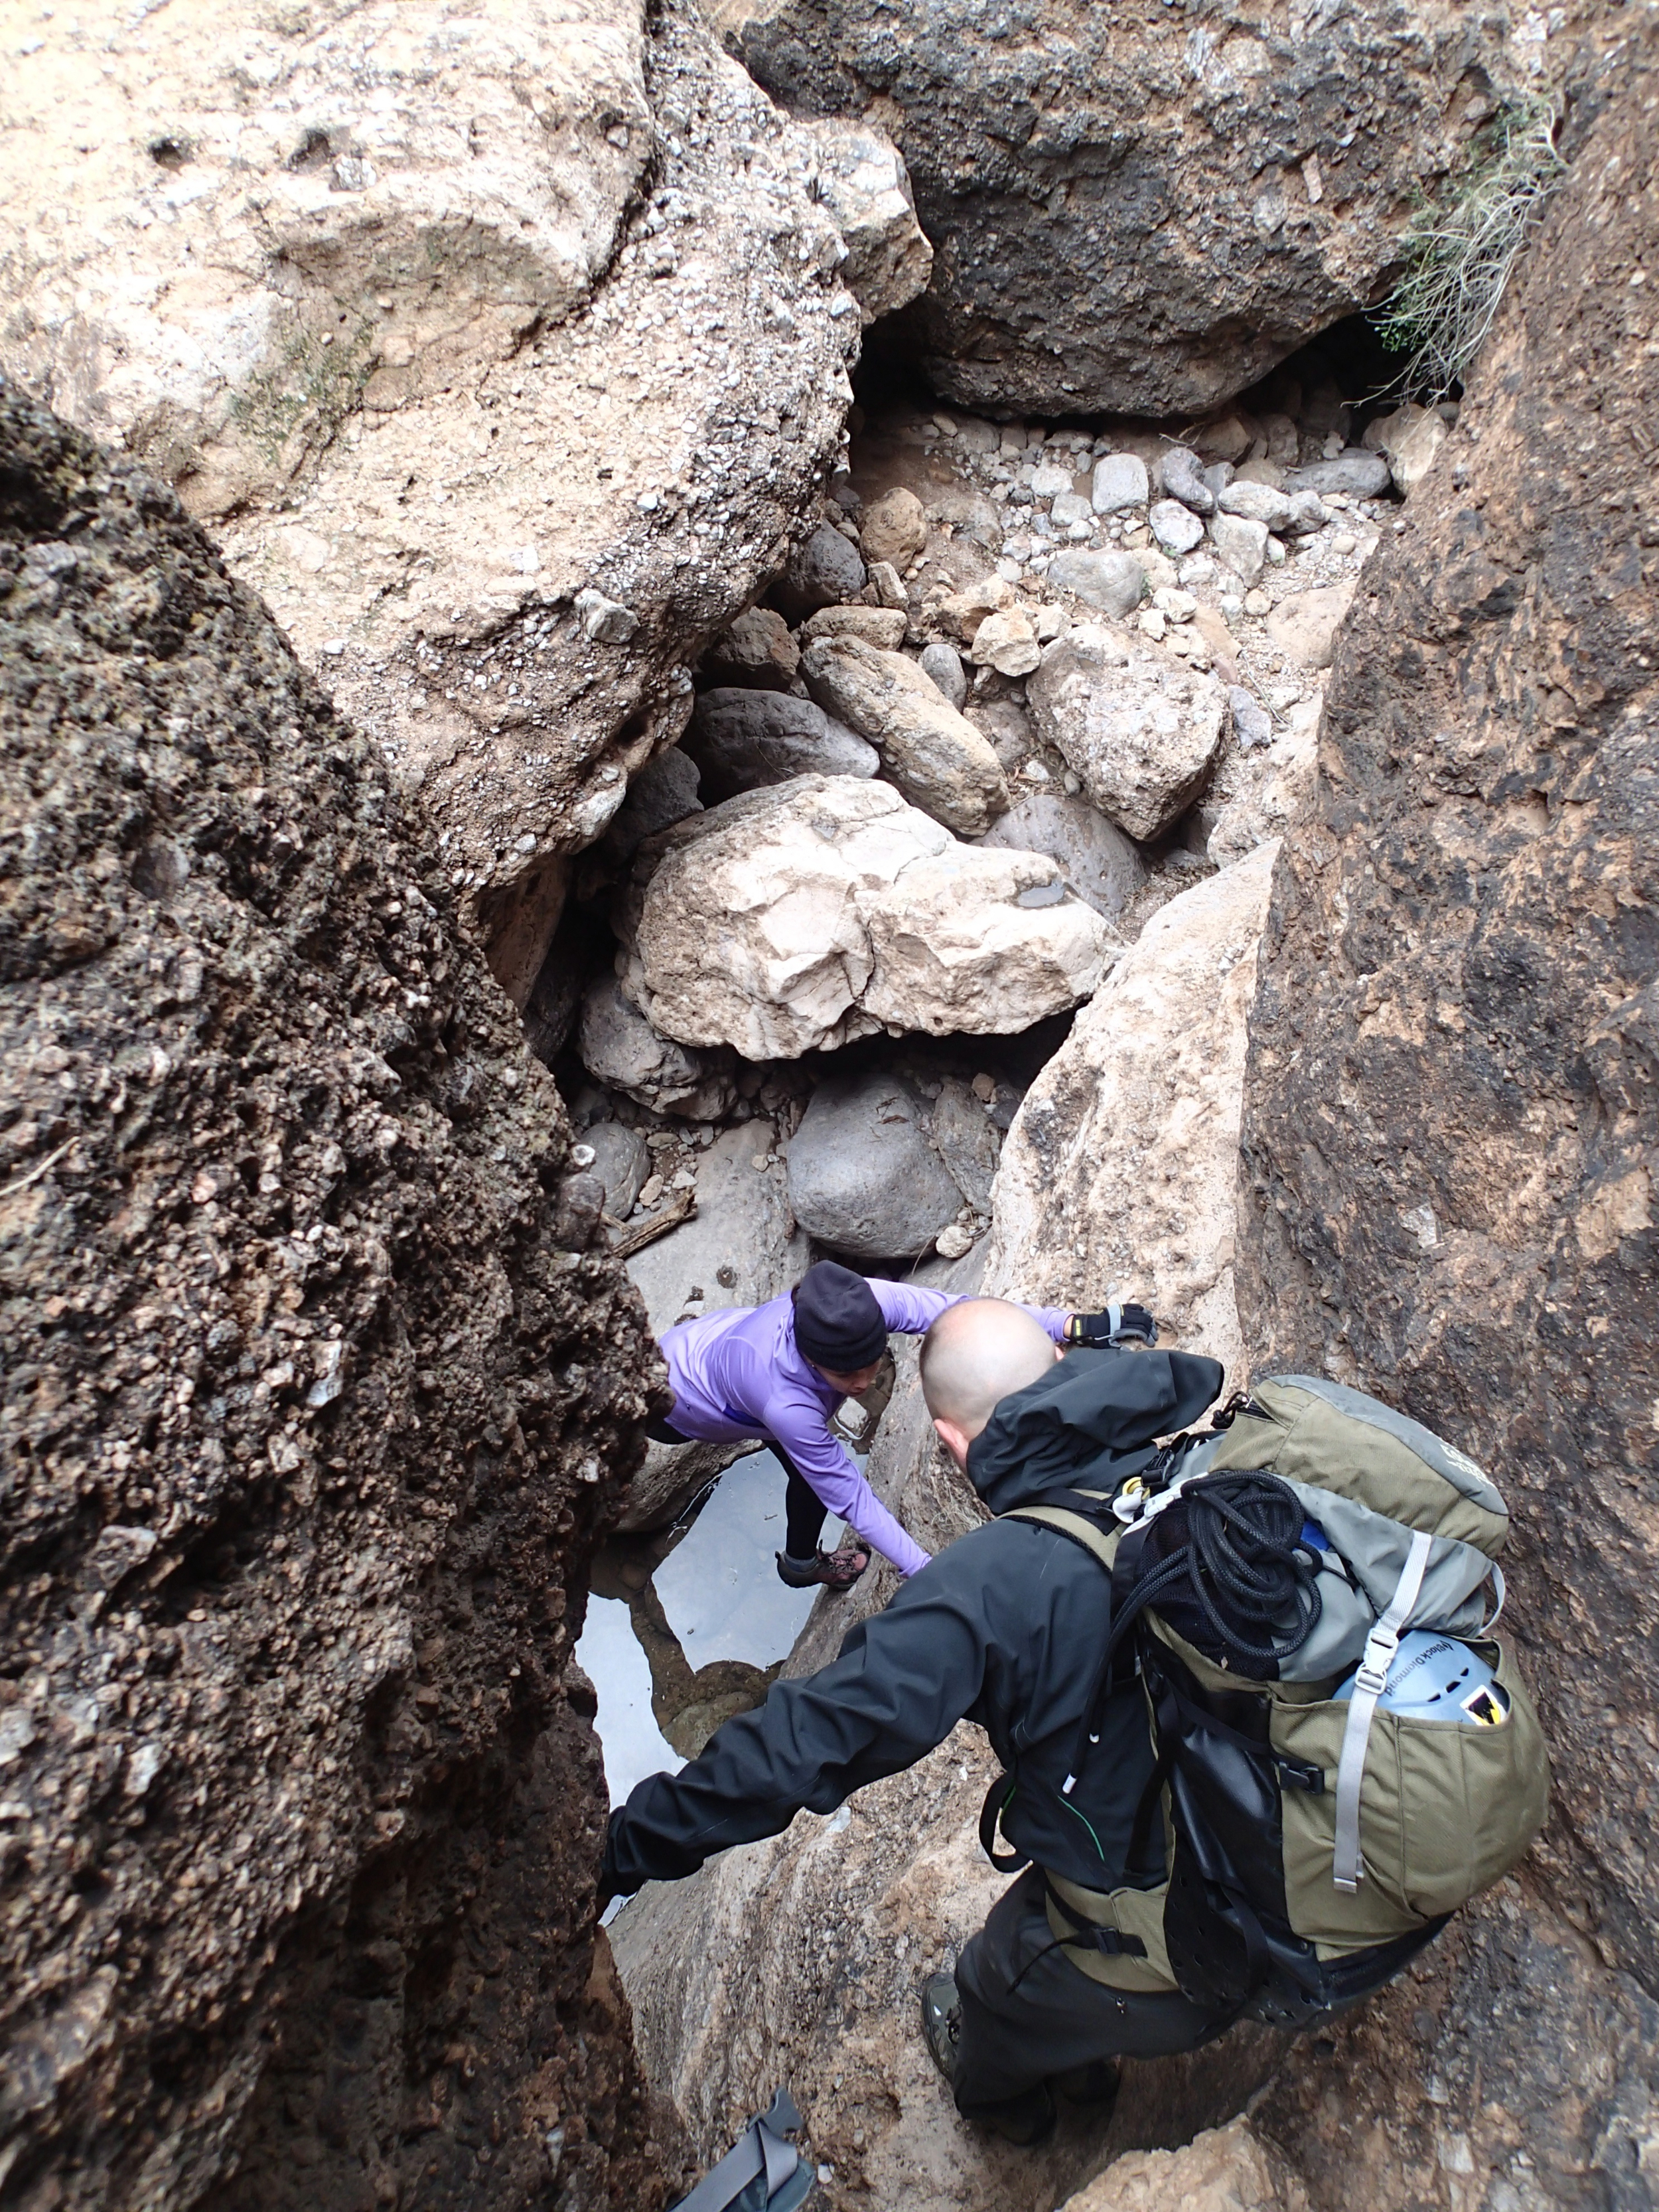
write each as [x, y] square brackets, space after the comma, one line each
[1448, 1146]
[504, 347]
[1145, 208]
[308, 1426]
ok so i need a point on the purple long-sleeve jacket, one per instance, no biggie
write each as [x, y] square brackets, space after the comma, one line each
[738, 1373]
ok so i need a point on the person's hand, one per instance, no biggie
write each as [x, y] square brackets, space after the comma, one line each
[1116, 1325]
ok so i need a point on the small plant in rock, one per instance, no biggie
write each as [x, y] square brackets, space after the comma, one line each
[1460, 252]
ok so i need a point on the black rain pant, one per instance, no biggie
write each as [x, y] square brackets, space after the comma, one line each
[1027, 2017]
[804, 1512]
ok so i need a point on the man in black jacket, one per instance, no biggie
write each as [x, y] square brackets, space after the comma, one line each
[1004, 1628]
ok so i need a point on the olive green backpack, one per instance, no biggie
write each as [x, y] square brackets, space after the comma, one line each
[1314, 1842]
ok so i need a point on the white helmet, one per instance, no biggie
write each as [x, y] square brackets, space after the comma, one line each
[1436, 1677]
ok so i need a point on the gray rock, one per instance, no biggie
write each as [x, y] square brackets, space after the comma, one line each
[1176, 527]
[883, 626]
[621, 1162]
[1258, 502]
[1181, 474]
[619, 1047]
[1142, 730]
[942, 663]
[894, 527]
[1252, 723]
[1098, 861]
[1185, 255]
[863, 1178]
[1219, 475]
[1241, 544]
[742, 739]
[662, 793]
[1119, 481]
[1114, 582]
[934, 754]
[824, 571]
[1358, 474]
[967, 1140]
[1308, 513]
[861, 181]
[756, 650]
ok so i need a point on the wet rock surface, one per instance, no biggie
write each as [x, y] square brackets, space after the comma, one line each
[310, 1427]
[1448, 1144]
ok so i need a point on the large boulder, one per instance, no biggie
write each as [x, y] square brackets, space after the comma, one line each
[493, 370]
[309, 1429]
[1450, 1129]
[742, 738]
[864, 1177]
[1226, 2169]
[933, 753]
[1119, 1177]
[816, 911]
[740, 1247]
[1143, 730]
[1138, 210]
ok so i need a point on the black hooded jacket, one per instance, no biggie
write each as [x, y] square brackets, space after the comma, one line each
[1004, 1627]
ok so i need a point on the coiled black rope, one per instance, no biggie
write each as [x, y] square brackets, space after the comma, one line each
[1232, 1543]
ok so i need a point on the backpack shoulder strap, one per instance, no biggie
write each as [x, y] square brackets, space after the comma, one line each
[1059, 1510]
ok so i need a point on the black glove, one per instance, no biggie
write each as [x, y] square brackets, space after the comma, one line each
[1118, 1325]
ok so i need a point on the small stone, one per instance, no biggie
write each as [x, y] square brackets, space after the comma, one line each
[1176, 527]
[1152, 623]
[1359, 474]
[1258, 503]
[984, 1088]
[1071, 508]
[1034, 772]
[1343, 543]
[888, 585]
[650, 1190]
[1119, 481]
[1252, 724]
[953, 1243]
[894, 527]
[878, 626]
[942, 664]
[1257, 603]
[1006, 643]
[1180, 473]
[1114, 582]
[607, 622]
[1049, 623]
[823, 571]
[1232, 607]
[1276, 553]
[1049, 480]
[1073, 783]
[1178, 605]
[1241, 544]
[1308, 513]
[756, 650]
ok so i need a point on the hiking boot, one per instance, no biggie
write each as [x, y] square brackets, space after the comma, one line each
[941, 2022]
[1023, 2120]
[836, 1570]
[1094, 2087]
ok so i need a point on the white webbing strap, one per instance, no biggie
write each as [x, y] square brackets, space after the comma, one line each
[1371, 1681]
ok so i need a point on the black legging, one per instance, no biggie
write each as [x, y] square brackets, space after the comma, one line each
[804, 1512]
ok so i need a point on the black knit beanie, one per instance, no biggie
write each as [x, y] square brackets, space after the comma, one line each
[838, 1324]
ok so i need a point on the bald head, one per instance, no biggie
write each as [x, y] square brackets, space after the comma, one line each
[975, 1354]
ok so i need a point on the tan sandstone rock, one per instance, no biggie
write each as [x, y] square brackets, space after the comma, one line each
[1119, 1176]
[1224, 2170]
[814, 911]
[1305, 625]
[496, 374]
[935, 755]
[1142, 730]
[894, 527]
[862, 180]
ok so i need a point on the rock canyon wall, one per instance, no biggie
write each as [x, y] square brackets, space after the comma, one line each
[312, 1415]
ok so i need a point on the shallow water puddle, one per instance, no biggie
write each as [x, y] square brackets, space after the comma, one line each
[700, 1639]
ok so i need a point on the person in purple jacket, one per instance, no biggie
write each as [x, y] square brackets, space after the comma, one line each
[779, 1372]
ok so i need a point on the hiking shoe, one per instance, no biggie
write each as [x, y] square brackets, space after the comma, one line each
[941, 2022]
[1094, 2086]
[1024, 2121]
[836, 1570]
